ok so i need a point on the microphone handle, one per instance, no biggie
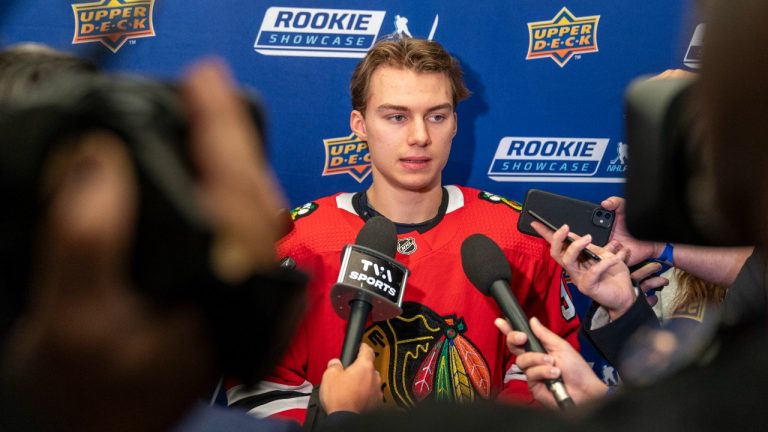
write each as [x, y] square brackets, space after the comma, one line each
[511, 309]
[358, 315]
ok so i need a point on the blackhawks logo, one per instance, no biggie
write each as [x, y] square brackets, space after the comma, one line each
[424, 356]
[497, 199]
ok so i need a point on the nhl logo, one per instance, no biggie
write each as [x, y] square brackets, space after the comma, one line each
[406, 246]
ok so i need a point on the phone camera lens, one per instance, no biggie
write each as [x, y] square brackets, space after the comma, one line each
[599, 213]
[607, 215]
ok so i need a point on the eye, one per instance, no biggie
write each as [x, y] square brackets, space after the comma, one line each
[437, 118]
[397, 118]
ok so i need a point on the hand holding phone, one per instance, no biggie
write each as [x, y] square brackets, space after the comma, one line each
[583, 217]
[586, 252]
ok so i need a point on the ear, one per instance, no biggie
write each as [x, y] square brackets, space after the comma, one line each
[455, 124]
[357, 124]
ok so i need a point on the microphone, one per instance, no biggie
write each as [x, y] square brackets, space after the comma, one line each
[370, 282]
[487, 268]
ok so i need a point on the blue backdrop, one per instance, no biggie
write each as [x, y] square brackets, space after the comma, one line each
[547, 76]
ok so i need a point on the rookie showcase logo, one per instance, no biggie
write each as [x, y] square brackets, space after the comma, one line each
[551, 159]
[347, 155]
[312, 32]
[113, 22]
[562, 37]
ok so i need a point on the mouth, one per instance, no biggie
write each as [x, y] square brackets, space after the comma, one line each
[415, 162]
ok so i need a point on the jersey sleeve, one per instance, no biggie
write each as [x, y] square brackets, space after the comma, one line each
[284, 393]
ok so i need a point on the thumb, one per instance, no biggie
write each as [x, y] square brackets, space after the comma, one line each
[365, 354]
[550, 340]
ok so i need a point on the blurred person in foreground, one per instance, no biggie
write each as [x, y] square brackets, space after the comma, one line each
[90, 352]
[23, 68]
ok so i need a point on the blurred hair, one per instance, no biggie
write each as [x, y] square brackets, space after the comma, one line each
[695, 292]
[24, 67]
[418, 55]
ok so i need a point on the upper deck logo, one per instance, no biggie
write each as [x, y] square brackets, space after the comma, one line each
[113, 22]
[562, 37]
[311, 32]
[347, 155]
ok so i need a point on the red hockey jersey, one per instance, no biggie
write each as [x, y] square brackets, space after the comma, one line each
[444, 346]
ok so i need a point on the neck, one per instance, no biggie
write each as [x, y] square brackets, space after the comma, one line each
[405, 206]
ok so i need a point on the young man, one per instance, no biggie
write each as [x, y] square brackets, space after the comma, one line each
[444, 346]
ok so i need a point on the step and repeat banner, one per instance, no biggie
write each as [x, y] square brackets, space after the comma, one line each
[547, 76]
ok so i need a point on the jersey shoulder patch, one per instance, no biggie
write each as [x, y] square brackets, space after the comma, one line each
[304, 210]
[498, 199]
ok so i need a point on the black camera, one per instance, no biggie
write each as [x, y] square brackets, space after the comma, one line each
[671, 183]
[172, 238]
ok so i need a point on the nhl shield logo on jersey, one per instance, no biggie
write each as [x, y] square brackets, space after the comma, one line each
[406, 246]
[421, 355]
[497, 199]
[305, 210]
[113, 22]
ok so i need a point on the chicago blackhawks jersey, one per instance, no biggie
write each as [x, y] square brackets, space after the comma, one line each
[444, 346]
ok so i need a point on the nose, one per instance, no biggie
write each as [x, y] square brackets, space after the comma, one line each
[418, 134]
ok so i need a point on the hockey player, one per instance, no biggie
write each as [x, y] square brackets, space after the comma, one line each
[444, 346]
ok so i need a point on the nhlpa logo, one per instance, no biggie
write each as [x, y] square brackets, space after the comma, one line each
[402, 30]
[619, 163]
[309, 32]
[548, 159]
[562, 37]
[113, 22]
[347, 155]
[693, 55]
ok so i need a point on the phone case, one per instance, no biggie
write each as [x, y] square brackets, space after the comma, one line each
[583, 217]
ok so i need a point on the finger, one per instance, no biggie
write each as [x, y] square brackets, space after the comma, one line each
[515, 340]
[503, 325]
[613, 246]
[654, 283]
[334, 363]
[645, 271]
[542, 230]
[91, 218]
[549, 339]
[216, 112]
[613, 203]
[237, 186]
[557, 243]
[594, 274]
[541, 373]
[652, 300]
[529, 360]
[572, 254]
[365, 354]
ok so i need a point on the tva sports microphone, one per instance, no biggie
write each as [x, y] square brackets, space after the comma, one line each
[370, 282]
[487, 268]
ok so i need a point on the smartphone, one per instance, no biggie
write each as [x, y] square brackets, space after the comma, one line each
[583, 217]
[588, 253]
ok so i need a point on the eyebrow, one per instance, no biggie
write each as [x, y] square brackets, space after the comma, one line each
[392, 107]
